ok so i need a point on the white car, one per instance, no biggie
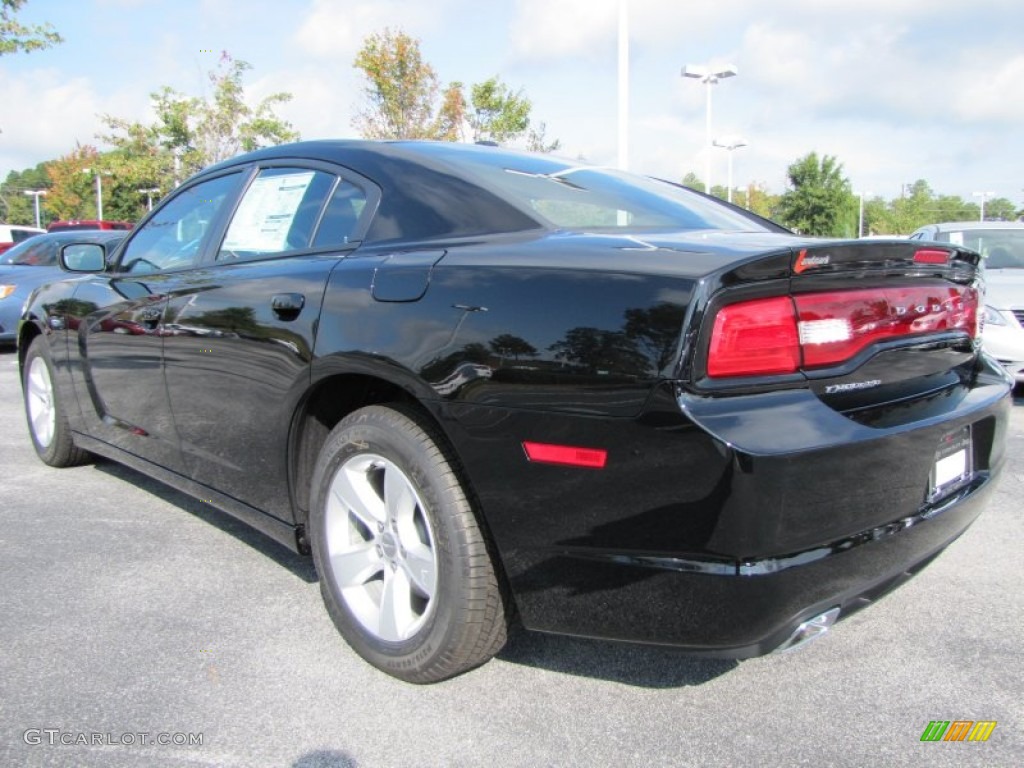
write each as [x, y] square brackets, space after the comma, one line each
[12, 234]
[1002, 245]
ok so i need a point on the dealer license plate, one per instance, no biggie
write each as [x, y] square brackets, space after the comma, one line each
[953, 464]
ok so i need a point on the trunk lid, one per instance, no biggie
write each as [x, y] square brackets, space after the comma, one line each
[860, 323]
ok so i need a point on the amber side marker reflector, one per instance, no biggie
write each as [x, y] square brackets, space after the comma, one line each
[931, 256]
[566, 455]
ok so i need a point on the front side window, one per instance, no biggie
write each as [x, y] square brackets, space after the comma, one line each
[171, 239]
[278, 213]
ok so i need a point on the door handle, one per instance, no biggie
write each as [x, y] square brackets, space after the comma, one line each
[287, 306]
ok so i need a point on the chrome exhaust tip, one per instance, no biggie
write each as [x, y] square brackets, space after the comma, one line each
[809, 630]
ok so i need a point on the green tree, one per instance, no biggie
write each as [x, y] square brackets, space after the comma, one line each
[17, 37]
[537, 140]
[192, 132]
[819, 201]
[448, 124]
[72, 190]
[404, 100]
[876, 217]
[952, 208]
[18, 208]
[692, 180]
[757, 199]
[999, 208]
[401, 90]
[499, 114]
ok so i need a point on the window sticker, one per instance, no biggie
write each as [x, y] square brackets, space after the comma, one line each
[956, 238]
[265, 214]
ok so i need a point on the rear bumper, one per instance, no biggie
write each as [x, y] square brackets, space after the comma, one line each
[721, 526]
[742, 610]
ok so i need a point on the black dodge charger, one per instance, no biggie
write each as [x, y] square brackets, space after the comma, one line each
[481, 386]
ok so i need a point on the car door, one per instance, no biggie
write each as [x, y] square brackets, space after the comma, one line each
[120, 334]
[239, 332]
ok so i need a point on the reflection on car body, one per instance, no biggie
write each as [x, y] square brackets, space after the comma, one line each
[479, 385]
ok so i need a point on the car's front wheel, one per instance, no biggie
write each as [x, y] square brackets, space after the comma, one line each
[404, 566]
[47, 421]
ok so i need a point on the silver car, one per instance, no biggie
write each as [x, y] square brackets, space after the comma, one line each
[1002, 245]
[33, 262]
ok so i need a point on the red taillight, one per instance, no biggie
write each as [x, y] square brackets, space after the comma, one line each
[755, 338]
[931, 256]
[567, 455]
[767, 336]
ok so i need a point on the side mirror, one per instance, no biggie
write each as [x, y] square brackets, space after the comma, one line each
[83, 257]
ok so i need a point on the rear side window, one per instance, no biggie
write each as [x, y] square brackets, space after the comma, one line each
[341, 219]
[278, 213]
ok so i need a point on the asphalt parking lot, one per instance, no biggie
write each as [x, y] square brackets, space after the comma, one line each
[134, 613]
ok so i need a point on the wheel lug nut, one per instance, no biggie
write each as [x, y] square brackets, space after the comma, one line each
[380, 527]
[379, 551]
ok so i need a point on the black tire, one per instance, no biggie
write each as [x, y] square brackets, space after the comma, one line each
[45, 410]
[427, 626]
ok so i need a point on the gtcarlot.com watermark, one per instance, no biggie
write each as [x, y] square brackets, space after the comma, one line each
[57, 737]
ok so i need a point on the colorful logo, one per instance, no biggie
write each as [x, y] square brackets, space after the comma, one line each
[958, 730]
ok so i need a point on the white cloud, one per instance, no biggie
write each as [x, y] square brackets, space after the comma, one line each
[552, 29]
[320, 107]
[45, 113]
[336, 30]
[990, 89]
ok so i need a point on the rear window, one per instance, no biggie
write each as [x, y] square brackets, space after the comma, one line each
[18, 235]
[1002, 248]
[586, 198]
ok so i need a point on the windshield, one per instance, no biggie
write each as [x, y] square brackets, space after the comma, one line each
[1002, 248]
[31, 252]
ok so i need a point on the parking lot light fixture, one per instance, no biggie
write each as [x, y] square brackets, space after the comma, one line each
[99, 191]
[36, 193]
[149, 192]
[984, 196]
[709, 75]
[730, 144]
[860, 215]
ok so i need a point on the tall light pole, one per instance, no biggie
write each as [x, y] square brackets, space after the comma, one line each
[99, 193]
[623, 85]
[984, 196]
[36, 193]
[709, 76]
[149, 192]
[730, 144]
[860, 216]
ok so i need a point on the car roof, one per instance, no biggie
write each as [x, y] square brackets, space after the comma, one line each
[83, 235]
[961, 226]
[363, 152]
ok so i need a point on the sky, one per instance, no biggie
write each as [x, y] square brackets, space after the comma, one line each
[896, 90]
